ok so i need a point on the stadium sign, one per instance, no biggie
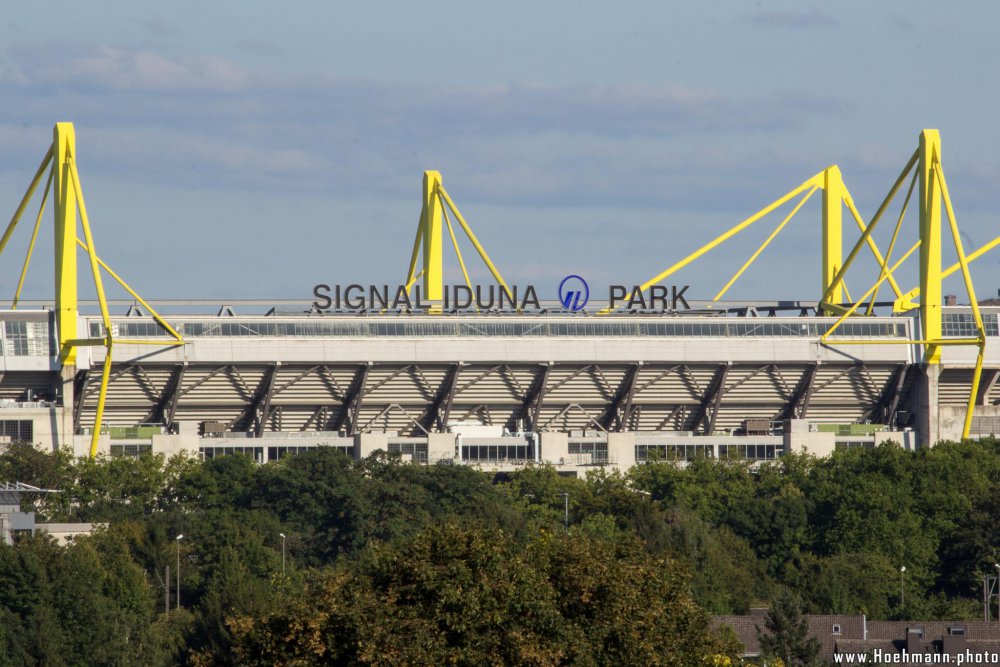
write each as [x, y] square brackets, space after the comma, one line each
[574, 295]
[380, 297]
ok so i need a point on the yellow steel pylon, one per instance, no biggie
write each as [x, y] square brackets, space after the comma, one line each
[71, 210]
[925, 165]
[429, 239]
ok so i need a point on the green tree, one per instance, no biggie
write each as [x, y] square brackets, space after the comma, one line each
[848, 583]
[625, 606]
[725, 575]
[786, 633]
[865, 503]
[713, 489]
[118, 488]
[456, 595]
[447, 595]
[22, 462]
[974, 546]
[85, 603]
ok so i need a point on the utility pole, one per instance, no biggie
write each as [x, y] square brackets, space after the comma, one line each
[986, 599]
[166, 591]
[997, 565]
[178, 540]
[902, 581]
[991, 589]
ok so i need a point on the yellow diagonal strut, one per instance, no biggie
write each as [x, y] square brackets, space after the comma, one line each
[767, 242]
[814, 182]
[31, 244]
[970, 288]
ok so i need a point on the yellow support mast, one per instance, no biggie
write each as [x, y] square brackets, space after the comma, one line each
[930, 244]
[431, 230]
[833, 234]
[66, 196]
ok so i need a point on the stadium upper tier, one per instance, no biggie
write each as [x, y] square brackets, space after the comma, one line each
[413, 374]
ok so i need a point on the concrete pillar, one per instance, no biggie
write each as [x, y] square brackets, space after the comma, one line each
[367, 443]
[186, 443]
[64, 390]
[899, 437]
[555, 447]
[621, 450]
[799, 438]
[928, 421]
[81, 445]
[441, 447]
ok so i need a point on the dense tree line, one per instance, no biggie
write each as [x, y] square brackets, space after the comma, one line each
[392, 563]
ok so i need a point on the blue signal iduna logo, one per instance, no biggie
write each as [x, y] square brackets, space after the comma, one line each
[573, 293]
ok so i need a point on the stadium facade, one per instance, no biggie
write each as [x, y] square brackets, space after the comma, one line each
[454, 375]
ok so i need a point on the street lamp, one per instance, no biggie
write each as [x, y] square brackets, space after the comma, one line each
[566, 510]
[178, 541]
[902, 598]
[997, 566]
[282, 553]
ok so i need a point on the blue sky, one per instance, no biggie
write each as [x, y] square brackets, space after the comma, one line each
[251, 150]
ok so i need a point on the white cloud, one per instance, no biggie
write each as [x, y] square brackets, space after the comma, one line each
[121, 69]
[205, 122]
[791, 19]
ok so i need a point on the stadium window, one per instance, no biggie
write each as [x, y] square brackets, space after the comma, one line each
[954, 324]
[130, 450]
[16, 334]
[17, 430]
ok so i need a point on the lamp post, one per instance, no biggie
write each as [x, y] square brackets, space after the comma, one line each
[997, 566]
[178, 541]
[566, 511]
[282, 553]
[902, 596]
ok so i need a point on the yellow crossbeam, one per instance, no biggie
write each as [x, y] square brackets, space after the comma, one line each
[429, 238]
[458, 251]
[101, 397]
[64, 184]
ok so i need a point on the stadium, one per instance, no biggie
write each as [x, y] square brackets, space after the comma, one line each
[491, 375]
